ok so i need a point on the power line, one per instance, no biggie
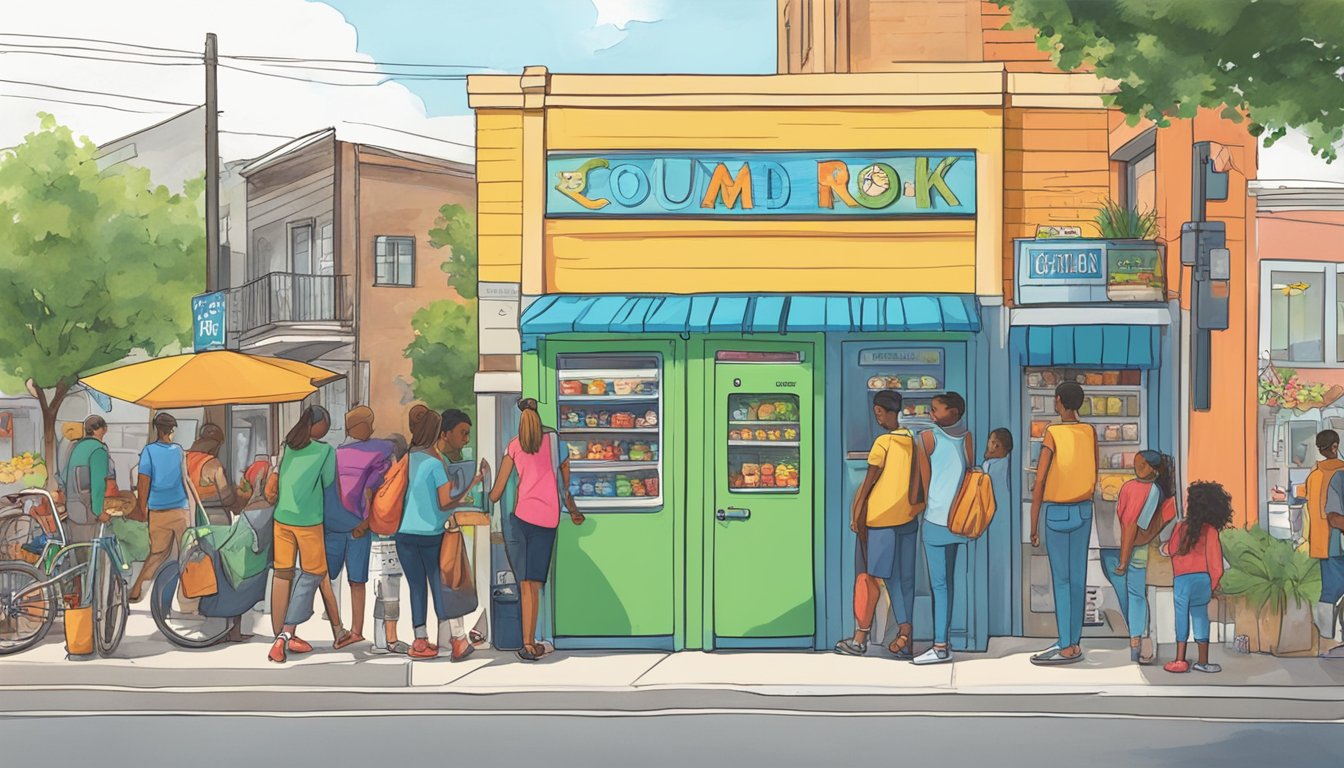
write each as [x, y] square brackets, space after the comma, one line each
[410, 133]
[254, 133]
[84, 104]
[99, 93]
[95, 40]
[96, 50]
[290, 59]
[379, 72]
[103, 58]
[340, 85]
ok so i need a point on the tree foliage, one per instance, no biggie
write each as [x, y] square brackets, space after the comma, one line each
[1276, 61]
[93, 265]
[443, 353]
[455, 230]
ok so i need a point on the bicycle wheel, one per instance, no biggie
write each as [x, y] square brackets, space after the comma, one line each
[110, 606]
[178, 618]
[26, 610]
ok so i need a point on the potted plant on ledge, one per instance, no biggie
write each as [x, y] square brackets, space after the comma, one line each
[1275, 586]
[1136, 269]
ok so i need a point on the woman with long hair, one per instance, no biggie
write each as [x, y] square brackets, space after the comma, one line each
[1145, 506]
[1197, 562]
[529, 531]
[430, 498]
[307, 469]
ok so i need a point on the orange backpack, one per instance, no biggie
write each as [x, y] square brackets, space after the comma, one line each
[390, 500]
[974, 508]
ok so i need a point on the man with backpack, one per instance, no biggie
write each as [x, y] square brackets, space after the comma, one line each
[85, 485]
[884, 514]
[361, 463]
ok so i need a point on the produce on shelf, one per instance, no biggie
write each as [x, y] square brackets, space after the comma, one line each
[1282, 387]
[28, 468]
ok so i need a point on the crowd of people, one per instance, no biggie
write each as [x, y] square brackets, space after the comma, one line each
[384, 507]
[914, 482]
[369, 507]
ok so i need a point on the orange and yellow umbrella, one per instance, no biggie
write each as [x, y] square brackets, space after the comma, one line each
[211, 378]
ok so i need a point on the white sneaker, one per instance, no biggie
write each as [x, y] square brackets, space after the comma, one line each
[933, 656]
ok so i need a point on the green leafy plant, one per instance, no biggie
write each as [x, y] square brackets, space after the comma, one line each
[1120, 222]
[94, 265]
[1275, 62]
[444, 352]
[1267, 572]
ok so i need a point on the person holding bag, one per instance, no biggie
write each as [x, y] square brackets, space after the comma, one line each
[426, 515]
[161, 499]
[1145, 506]
[529, 533]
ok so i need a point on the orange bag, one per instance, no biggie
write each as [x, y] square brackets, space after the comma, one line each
[454, 567]
[198, 575]
[974, 508]
[386, 507]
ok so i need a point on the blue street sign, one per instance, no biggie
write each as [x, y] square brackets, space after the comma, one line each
[207, 315]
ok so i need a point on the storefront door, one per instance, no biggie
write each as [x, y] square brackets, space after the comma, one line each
[761, 439]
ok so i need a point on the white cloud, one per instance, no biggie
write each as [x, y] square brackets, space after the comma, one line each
[619, 13]
[1290, 159]
[250, 103]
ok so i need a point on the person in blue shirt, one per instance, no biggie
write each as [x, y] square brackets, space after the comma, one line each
[161, 498]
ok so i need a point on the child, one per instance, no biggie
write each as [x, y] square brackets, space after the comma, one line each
[883, 515]
[1197, 562]
[1145, 506]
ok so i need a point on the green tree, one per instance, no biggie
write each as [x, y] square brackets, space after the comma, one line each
[93, 266]
[1276, 62]
[443, 353]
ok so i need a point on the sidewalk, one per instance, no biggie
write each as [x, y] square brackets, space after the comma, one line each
[146, 661]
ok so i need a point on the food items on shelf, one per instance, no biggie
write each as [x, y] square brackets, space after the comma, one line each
[28, 468]
[649, 419]
[1112, 434]
[739, 413]
[751, 475]
[576, 451]
[1049, 378]
[761, 434]
[765, 411]
[790, 433]
[597, 387]
[1115, 406]
[768, 475]
[1130, 432]
[623, 420]
[625, 387]
[1110, 378]
[1038, 428]
[1034, 380]
[571, 387]
[928, 382]
[878, 383]
[613, 450]
[1110, 486]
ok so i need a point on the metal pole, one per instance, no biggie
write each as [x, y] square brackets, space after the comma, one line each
[1202, 338]
[211, 165]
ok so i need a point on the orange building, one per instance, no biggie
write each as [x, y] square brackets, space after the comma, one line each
[997, 284]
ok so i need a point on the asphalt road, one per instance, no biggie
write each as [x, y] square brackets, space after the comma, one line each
[593, 741]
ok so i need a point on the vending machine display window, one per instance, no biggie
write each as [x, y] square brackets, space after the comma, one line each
[918, 374]
[610, 423]
[764, 443]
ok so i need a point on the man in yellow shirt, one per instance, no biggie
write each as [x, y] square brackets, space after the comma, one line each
[884, 516]
[1066, 479]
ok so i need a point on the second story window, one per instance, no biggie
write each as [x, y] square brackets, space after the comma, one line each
[394, 260]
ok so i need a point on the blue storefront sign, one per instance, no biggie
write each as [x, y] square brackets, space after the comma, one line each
[1086, 270]
[784, 184]
[207, 317]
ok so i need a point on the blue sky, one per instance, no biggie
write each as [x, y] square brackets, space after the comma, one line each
[678, 36]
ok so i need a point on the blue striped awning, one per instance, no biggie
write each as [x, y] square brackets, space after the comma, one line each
[1089, 346]
[738, 313]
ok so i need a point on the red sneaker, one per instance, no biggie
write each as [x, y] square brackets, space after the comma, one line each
[297, 645]
[423, 650]
[1178, 666]
[277, 653]
[462, 648]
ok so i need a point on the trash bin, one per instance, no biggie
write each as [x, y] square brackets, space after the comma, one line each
[506, 618]
[79, 632]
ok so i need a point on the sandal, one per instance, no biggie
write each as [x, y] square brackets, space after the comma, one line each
[1055, 658]
[900, 648]
[475, 637]
[526, 654]
[848, 647]
[346, 640]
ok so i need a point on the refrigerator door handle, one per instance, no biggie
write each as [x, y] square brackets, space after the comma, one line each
[732, 513]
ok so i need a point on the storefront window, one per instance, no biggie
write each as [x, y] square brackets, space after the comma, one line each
[611, 426]
[1297, 316]
[764, 443]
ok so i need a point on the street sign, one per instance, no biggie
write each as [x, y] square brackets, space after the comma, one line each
[207, 316]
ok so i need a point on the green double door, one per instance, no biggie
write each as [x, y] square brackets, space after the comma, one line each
[762, 475]
[727, 557]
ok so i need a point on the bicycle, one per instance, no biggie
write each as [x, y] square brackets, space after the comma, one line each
[32, 597]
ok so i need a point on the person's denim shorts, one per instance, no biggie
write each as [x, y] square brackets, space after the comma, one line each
[345, 551]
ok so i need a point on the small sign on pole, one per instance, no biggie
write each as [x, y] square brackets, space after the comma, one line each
[207, 313]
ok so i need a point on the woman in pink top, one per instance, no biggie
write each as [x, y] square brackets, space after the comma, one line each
[1197, 562]
[529, 533]
[1145, 506]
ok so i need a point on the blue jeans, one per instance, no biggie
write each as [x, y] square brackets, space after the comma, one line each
[891, 557]
[419, 557]
[1192, 591]
[940, 552]
[1131, 589]
[1068, 527]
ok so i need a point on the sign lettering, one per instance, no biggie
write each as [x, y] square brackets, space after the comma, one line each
[208, 312]
[899, 183]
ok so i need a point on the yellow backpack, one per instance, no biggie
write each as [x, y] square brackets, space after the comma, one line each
[974, 508]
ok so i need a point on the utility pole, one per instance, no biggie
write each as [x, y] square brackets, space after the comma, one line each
[1204, 248]
[211, 165]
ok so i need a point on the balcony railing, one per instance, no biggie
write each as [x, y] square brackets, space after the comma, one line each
[286, 297]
